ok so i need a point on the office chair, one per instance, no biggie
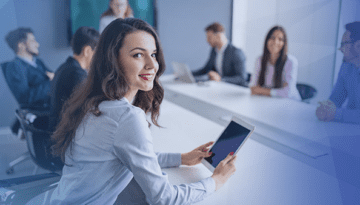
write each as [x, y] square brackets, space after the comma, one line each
[34, 124]
[248, 77]
[16, 129]
[307, 92]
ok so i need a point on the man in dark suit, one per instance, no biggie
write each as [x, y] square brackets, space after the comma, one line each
[27, 76]
[226, 62]
[72, 73]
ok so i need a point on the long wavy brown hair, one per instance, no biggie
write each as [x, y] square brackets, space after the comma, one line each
[128, 13]
[106, 82]
[280, 62]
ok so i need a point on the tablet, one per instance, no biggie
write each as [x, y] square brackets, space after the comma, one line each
[231, 140]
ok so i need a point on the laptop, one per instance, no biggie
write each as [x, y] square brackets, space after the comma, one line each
[183, 73]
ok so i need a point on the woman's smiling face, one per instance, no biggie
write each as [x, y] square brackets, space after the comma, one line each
[138, 59]
[276, 42]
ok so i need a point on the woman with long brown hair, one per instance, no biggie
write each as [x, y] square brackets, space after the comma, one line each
[117, 9]
[105, 141]
[275, 71]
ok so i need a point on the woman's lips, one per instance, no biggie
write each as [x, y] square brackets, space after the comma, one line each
[145, 76]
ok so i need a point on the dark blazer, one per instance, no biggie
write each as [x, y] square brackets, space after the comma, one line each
[233, 66]
[29, 85]
[67, 77]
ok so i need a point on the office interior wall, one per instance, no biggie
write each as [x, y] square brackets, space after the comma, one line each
[181, 27]
[312, 29]
[48, 21]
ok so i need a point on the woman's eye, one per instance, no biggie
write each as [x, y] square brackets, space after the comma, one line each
[153, 55]
[138, 55]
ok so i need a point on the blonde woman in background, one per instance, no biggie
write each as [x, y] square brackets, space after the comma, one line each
[117, 9]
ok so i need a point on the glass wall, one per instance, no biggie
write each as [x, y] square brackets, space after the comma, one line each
[312, 30]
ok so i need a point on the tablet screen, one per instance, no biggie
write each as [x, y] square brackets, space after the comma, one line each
[229, 141]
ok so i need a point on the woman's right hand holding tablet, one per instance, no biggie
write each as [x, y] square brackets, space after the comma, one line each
[224, 170]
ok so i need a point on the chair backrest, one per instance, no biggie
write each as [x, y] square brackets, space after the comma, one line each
[3, 68]
[248, 77]
[38, 139]
[306, 91]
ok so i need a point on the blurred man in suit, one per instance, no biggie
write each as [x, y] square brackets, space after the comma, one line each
[71, 73]
[348, 83]
[27, 76]
[226, 62]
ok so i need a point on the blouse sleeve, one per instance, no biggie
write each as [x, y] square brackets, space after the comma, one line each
[134, 148]
[255, 75]
[289, 77]
[103, 23]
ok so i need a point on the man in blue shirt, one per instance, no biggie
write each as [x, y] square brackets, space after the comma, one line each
[348, 82]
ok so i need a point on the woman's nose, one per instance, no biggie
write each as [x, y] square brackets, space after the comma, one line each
[151, 63]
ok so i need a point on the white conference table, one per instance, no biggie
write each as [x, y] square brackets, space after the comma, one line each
[287, 126]
[263, 176]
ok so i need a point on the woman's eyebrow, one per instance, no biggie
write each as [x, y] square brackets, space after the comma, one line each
[138, 48]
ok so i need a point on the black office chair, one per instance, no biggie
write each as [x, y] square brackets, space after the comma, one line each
[34, 124]
[307, 92]
[248, 77]
[16, 128]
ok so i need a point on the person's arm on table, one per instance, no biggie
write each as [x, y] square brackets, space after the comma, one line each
[331, 110]
[138, 155]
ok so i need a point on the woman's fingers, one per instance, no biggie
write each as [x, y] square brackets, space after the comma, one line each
[203, 147]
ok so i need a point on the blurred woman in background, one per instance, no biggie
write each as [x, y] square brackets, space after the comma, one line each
[117, 9]
[275, 71]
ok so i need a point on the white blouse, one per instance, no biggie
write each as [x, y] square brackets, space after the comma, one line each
[289, 76]
[109, 150]
[105, 21]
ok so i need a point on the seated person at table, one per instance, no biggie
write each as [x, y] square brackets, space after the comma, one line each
[27, 76]
[71, 73]
[106, 141]
[226, 62]
[275, 71]
[348, 82]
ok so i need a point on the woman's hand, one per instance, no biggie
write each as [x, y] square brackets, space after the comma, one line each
[257, 90]
[224, 170]
[194, 157]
